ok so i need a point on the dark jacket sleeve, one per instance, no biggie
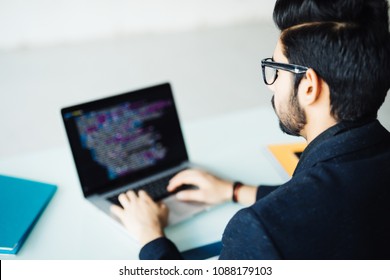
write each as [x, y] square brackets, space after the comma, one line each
[264, 190]
[160, 249]
[245, 238]
[164, 249]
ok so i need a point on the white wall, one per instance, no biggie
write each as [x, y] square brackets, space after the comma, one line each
[30, 23]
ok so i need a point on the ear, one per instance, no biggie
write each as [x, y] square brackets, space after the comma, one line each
[310, 88]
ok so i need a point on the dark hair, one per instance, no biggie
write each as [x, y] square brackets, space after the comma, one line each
[352, 60]
[367, 13]
[347, 43]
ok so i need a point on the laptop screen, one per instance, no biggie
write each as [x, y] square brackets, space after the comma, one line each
[124, 138]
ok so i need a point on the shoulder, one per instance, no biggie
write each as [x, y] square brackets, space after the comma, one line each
[341, 144]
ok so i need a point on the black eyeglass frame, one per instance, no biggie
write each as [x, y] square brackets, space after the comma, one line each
[293, 68]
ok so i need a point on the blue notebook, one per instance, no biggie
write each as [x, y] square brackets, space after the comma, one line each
[21, 204]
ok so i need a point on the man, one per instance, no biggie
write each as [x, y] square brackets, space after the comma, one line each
[329, 75]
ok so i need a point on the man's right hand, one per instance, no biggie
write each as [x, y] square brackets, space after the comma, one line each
[211, 189]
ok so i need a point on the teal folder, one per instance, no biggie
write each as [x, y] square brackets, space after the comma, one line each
[21, 204]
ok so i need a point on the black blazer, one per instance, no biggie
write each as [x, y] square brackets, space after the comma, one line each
[336, 206]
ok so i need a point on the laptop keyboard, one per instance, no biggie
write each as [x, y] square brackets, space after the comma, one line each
[157, 190]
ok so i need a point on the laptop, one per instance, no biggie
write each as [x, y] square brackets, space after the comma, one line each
[129, 141]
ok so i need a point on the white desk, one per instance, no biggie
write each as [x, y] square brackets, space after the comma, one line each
[231, 146]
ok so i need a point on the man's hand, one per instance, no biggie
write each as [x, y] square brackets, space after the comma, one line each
[141, 216]
[212, 190]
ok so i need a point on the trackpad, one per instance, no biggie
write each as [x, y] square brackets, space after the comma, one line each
[180, 211]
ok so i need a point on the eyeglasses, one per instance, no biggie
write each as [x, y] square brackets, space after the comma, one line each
[270, 69]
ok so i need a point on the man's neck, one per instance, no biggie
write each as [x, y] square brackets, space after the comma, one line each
[313, 129]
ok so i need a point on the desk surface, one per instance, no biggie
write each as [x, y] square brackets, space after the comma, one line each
[232, 146]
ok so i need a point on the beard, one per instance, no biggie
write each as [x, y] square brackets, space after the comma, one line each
[294, 120]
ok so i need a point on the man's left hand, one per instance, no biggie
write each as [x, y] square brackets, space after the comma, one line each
[141, 216]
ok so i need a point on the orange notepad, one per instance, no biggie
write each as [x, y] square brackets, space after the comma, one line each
[287, 155]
